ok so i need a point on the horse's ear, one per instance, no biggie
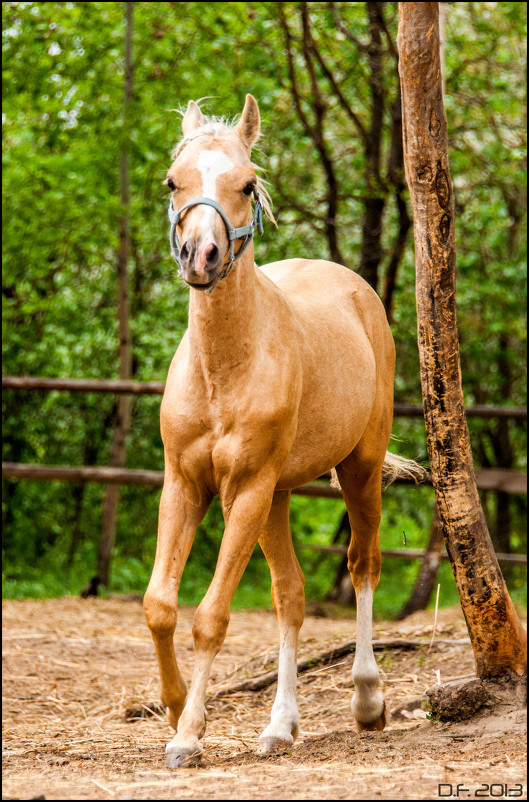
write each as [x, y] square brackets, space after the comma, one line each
[249, 125]
[193, 118]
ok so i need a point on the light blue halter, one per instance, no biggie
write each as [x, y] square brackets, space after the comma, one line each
[246, 232]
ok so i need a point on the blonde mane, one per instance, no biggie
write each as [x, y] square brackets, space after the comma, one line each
[224, 127]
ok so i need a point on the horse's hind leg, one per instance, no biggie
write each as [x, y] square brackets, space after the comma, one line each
[361, 486]
[289, 603]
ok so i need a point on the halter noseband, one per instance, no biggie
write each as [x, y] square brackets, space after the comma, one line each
[246, 232]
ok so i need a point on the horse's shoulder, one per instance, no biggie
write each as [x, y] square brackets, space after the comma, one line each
[182, 392]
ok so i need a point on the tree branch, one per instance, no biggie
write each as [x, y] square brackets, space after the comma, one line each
[319, 140]
[341, 27]
[345, 105]
[292, 73]
[392, 45]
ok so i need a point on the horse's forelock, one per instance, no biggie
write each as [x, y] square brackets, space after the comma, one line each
[216, 126]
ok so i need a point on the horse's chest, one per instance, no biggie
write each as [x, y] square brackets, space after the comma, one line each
[234, 424]
[261, 441]
[232, 437]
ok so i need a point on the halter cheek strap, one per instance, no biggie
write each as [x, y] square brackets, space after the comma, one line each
[243, 232]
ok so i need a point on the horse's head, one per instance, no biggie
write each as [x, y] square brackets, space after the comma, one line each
[212, 162]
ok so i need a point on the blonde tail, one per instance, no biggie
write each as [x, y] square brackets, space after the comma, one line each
[394, 467]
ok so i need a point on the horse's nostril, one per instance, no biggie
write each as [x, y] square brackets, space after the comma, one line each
[213, 253]
[184, 251]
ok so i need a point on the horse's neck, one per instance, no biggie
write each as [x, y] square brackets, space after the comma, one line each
[224, 326]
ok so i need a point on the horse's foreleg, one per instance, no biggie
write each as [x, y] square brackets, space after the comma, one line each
[246, 519]
[289, 603]
[362, 493]
[180, 513]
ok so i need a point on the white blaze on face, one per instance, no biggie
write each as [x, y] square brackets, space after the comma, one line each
[212, 164]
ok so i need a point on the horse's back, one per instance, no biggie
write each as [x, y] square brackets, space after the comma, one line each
[300, 275]
[327, 291]
[292, 269]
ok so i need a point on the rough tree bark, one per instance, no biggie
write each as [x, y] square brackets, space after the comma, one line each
[497, 636]
[124, 402]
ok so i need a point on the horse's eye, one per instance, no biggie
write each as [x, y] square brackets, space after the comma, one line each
[248, 189]
[171, 184]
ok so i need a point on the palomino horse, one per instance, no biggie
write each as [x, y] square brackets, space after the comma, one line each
[284, 373]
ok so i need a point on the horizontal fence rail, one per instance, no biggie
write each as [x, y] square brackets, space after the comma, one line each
[413, 554]
[506, 481]
[121, 386]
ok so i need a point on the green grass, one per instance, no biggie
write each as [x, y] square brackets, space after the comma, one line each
[312, 521]
[131, 575]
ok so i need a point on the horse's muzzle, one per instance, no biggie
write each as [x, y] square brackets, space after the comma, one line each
[201, 263]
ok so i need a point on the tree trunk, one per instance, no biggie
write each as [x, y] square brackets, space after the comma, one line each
[124, 402]
[424, 584]
[395, 177]
[390, 279]
[371, 251]
[497, 636]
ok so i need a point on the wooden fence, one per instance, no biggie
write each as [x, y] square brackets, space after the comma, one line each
[157, 388]
[506, 481]
[496, 479]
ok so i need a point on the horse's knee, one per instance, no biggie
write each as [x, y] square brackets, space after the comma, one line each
[160, 614]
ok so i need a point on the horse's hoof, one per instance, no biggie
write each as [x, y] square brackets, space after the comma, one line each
[271, 745]
[180, 756]
[373, 726]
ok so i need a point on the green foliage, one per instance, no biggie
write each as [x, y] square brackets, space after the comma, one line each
[62, 136]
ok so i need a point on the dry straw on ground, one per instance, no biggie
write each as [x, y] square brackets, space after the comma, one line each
[72, 667]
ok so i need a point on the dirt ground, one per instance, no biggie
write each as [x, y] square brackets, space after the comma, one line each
[71, 667]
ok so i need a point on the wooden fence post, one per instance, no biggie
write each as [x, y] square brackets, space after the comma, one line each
[124, 402]
[497, 636]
